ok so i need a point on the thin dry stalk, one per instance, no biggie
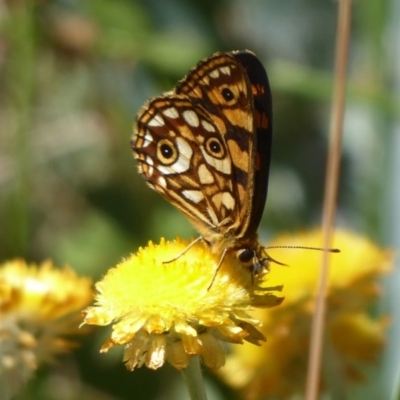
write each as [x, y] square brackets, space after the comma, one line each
[330, 195]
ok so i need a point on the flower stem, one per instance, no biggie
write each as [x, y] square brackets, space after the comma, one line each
[194, 379]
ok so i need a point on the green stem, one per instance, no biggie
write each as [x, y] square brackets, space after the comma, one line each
[194, 379]
[21, 35]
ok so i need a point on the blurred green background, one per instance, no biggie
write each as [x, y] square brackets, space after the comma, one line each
[73, 75]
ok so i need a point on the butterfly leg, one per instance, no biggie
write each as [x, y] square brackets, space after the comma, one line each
[218, 267]
[185, 250]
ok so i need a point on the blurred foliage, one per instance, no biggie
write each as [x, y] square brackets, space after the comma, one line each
[73, 75]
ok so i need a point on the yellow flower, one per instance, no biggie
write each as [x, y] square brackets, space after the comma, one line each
[353, 337]
[168, 311]
[39, 305]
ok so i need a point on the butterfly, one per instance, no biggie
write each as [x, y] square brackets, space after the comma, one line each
[205, 147]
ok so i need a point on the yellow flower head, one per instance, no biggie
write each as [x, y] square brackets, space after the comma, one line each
[168, 311]
[278, 369]
[39, 305]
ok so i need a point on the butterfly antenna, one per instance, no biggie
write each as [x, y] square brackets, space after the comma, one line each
[303, 248]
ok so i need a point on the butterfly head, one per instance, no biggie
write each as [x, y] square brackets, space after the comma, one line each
[254, 259]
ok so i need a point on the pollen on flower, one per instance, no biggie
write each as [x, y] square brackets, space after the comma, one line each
[167, 311]
[39, 306]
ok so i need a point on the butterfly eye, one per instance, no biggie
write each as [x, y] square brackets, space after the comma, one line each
[166, 152]
[227, 94]
[215, 148]
[245, 255]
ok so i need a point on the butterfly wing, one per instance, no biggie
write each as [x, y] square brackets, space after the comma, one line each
[183, 157]
[198, 145]
[262, 114]
[249, 125]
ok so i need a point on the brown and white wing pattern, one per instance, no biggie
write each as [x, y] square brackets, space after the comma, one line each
[183, 157]
[205, 146]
